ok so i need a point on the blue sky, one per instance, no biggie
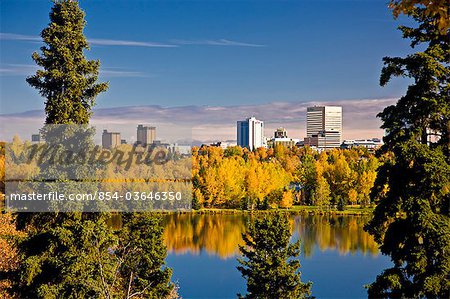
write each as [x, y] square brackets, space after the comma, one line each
[182, 53]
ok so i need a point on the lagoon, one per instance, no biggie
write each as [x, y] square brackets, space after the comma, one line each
[337, 255]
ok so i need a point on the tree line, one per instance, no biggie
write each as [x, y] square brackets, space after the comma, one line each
[280, 177]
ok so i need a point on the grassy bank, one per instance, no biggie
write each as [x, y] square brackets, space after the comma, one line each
[349, 210]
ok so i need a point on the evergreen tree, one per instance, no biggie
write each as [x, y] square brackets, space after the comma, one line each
[412, 220]
[270, 262]
[75, 254]
[62, 255]
[142, 254]
[68, 80]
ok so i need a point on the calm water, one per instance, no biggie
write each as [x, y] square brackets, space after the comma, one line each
[337, 255]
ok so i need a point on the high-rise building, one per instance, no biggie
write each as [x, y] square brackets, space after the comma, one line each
[324, 126]
[250, 133]
[323, 118]
[145, 135]
[110, 139]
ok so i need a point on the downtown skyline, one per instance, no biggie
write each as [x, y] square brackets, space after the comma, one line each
[206, 124]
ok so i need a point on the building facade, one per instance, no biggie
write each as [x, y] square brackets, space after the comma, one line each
[145, 135]
[223, 144]
[280, 133]
[324, 126]
[324, 140]
[110, 139]
[180, 149]
[280, 138]
[371, 144]
[250, 133]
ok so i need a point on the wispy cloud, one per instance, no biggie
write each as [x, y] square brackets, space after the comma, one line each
[218, 122]
[17, 69]
[8, 70]
[117, 72]
[92, 41]
[13, 36]
[127, 43]
[218, 42]
[132, 43]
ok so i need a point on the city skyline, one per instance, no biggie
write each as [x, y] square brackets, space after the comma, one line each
[213, 123]
[252, 56]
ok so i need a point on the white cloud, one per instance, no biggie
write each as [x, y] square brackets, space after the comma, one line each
[128, 43]
[92, 41]
[117, 72]
[17, 69]
[218, 42]
[132, 43]
[13, 36]
[30, 69]
[214, 123]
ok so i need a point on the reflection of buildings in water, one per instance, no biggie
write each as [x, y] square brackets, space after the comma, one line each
[220, 234]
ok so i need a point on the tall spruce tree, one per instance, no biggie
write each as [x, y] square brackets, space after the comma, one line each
[61, 255]
[270, 264]
[68, 80]
[76, 254]
[412, 220]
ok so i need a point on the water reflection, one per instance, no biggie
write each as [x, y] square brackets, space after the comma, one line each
[216, 234]
[344, 234]
[220, 234]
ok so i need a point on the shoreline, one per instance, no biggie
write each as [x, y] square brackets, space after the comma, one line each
[311, 210]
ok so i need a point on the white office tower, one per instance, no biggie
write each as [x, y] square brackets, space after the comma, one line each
[324, 126]
[250, 133]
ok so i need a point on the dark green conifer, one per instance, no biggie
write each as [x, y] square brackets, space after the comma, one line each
[66, 79]
[412, 220]
[76, 254]
[270, 262]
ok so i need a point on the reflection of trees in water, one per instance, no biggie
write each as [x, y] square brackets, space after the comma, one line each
[221, 234]
[216, 234]
[342, 233]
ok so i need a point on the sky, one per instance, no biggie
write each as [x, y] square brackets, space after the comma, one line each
[237, 55]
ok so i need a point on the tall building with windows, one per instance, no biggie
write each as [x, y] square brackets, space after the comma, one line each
[250, 133]
[323, 118]
[145, 135]
[324, 126]
[110, 139]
